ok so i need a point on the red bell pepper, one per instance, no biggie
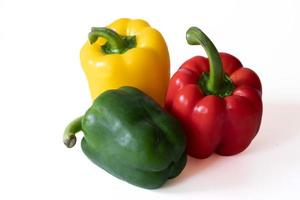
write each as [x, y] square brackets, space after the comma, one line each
[217, 100]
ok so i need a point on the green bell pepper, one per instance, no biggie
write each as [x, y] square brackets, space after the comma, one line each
[131, 137]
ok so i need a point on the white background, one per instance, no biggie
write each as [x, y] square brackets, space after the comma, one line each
[42, 87]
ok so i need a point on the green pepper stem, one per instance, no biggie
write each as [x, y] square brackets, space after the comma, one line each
[73, 127]
[195, 36]
[114, 40]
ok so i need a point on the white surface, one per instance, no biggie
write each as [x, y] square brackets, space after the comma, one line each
[43, 87]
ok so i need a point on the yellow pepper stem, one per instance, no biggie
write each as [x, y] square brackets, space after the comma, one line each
[115, 44]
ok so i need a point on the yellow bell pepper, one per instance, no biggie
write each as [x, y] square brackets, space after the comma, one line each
[127, 53]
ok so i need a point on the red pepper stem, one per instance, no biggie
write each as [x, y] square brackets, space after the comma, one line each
[69, 137]
[214, 84]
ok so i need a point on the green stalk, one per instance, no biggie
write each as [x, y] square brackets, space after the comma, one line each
[215, 82]
[74, 127]
[116, 43]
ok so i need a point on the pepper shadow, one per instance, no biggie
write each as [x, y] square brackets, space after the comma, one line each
[280, 122]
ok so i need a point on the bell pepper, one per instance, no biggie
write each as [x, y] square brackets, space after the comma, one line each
[131, 137]
[217, 100]
[126, 53]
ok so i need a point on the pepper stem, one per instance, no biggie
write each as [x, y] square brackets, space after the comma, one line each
[195, 36]
[73, 127]
[216, 82]
[116, 43]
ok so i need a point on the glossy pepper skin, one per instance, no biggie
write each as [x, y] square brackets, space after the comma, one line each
[127, 53]
[217, 100]
[130, 136]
